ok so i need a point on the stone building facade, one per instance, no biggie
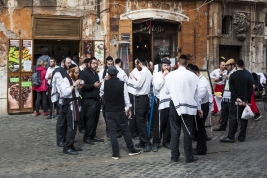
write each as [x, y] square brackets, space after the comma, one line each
[204, 30]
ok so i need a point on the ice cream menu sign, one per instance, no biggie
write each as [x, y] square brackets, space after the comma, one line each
[26, 55]
[13, 56]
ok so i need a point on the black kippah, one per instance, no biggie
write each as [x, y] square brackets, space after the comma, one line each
[183, 57]
[72, 66]
[142, 58]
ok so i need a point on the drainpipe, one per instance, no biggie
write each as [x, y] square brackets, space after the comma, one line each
[98, 12]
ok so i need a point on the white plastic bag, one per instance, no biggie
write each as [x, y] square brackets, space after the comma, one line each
[247, 113]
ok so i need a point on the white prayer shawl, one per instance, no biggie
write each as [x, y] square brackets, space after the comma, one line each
[100, 74]
[159, 90]
[50, 71]
[262, 79]
[55, 93]
[182, 85]
[226, 93]
[205, 91]
[130, 85]
[143, 85]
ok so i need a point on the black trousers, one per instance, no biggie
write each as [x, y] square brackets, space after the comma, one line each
[71, 129]
[199, 130]
[118, 120]
[61, 126]
[235, 116]
[141, 119]
[162, 127]
[176, 125]
[41, 96]
[132, 122]
[91, 115]
[225, 114]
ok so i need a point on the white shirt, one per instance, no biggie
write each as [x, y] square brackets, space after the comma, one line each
[216, 74]
[182, 85]
[131, 88]
[66, 91]
[122, 75]
[125, 94]
[50, 71]
[156, 68]
[100, 74]
[204, 90]
[81, 69]
[55, 87]
[143, 84]
[159, 88]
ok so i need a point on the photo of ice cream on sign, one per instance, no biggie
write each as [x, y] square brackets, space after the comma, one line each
[13, 56]
[99, 54]
[26, 54]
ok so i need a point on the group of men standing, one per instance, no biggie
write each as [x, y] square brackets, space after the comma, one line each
[182, 100]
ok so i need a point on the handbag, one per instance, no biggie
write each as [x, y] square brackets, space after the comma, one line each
[247, 113]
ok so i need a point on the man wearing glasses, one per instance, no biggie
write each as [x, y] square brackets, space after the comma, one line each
[91, 101]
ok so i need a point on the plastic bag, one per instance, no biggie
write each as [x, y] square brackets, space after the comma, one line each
[247, 113]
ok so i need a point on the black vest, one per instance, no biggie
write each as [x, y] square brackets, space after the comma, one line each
[114, 95]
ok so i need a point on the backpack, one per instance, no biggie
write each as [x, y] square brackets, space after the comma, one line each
[36, 78]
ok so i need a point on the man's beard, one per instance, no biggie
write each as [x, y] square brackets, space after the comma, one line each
[65, 67]
[53, 65]
[139, 68]
[162, 70]
[73, 77]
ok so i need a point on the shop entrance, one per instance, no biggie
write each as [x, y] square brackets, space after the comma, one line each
[57, 48]
[154, 40]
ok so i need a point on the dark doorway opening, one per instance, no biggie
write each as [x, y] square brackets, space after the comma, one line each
[229, 51]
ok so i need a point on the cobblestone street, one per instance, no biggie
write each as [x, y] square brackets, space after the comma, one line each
[28, 149]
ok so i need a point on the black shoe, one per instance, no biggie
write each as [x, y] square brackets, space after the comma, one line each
[241, 139]
[82, 131]
[134, 152]
[174, 159]
[257, 117]
[167, 146]
[76, 149]
[48, 117]
[147, 147]
[115, 156]
[139, 145]
[96, 139]
[119, 135]
[155, 147]
[70, 151]
[192, 160]
[195, 152]
[227, 140]
[61, 144]
[219, 129]
[89, 141]
[208, 139]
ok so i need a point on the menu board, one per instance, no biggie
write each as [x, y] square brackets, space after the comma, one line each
[13, 92]
[26, 91]
[13, 56]
[26, 54]
[99, 54]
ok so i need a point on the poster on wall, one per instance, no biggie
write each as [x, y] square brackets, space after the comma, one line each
[13, 55]
[87, 48]
[26, 91]
[13, 92]
[99, 54]
[125, 56]
[26, 54]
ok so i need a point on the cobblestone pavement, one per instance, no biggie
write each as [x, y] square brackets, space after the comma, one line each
[28, 149]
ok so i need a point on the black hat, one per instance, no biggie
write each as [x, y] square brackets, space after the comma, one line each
[183, 57]
[117, 61]
[194, 68]
[86, 60]
[109, 58]
[112, 70]
[240, 62]
[189, 66]
[141, 59]
[92, 58]
[165, 61]
[72, 66]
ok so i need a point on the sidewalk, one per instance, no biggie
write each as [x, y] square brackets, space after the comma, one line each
[28, 149]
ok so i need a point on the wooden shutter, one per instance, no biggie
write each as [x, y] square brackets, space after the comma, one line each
[57, 28]
[125, 26]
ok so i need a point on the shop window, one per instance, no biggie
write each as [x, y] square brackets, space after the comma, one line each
[227, 25]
